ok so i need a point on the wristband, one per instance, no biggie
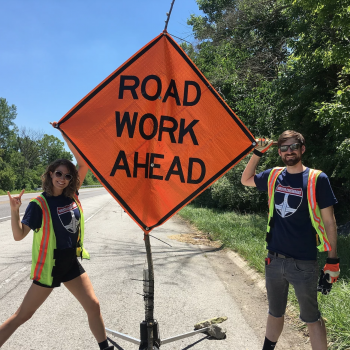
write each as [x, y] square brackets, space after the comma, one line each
[257, 153]
[332, 261]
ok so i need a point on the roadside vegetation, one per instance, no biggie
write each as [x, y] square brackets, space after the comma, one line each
[245, 234]
[25, 153]
[279, 64]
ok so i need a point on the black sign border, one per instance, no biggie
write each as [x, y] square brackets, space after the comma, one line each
[213, 91]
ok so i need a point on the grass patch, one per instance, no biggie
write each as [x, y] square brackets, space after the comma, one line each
[241, 233]
[245, 234]
[18, 192]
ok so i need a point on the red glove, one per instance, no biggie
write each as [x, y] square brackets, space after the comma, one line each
[262, 146]
[331, 270]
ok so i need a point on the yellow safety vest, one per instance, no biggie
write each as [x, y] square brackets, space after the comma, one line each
[44, 244]
[314, 210]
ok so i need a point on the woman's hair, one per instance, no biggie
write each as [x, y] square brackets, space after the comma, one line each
[289, 134]
[73, 185]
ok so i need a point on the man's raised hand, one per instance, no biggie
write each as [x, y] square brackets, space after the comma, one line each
[15, 201]
[262, 145]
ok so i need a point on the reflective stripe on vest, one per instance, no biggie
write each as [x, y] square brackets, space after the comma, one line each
[272, 180]
[81, 251]
[44, 240]
[44, 244]
[314, 210]
[78, 202]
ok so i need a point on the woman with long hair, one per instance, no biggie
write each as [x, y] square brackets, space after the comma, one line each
[57, 220]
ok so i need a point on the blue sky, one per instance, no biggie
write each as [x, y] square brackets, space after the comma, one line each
[53, 52]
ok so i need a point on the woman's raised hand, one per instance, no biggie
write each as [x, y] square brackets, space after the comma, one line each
[15, 201]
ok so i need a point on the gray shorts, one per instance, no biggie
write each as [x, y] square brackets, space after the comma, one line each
[303, 276]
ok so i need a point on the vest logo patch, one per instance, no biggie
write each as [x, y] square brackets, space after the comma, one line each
[67, 217]
[285, 205]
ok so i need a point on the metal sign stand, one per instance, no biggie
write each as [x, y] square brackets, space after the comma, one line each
[149, 330]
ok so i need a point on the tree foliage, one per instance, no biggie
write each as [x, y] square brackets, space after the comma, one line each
[281, 64]
[25, 153]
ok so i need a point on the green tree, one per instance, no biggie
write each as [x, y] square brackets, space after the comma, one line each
[314, 89]
[282, 64]
[52, 148]
[90, 179]
[8, 128]
[7, 175]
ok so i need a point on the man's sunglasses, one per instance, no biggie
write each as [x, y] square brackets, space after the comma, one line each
[292, 147]
[66, 176]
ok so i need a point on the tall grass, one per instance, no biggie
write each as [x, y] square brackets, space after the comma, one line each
[245, 234]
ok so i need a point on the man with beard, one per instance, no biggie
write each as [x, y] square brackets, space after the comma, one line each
[301, 220]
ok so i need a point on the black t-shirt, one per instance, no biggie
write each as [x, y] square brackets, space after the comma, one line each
[65, 216]
[293, 233]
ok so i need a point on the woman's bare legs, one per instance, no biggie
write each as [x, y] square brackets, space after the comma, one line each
[35, 296]
[82, 289]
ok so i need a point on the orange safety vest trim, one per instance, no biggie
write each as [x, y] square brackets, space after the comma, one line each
[275, 172]
[314, 210]
[44, 239]
[81, 251]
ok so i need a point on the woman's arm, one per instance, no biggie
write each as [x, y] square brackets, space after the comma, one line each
[82, 166]
[19, 230]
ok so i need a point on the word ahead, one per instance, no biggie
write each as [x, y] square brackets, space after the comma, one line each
[175, 168]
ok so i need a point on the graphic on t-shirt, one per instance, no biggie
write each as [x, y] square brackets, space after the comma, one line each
[284, 209]
[67, 217]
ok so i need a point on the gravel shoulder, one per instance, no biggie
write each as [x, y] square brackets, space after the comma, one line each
[246, 287]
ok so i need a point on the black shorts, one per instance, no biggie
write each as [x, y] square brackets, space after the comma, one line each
[70, 272]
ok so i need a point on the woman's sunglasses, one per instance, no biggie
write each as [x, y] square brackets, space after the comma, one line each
[66, 176]
[292, 147]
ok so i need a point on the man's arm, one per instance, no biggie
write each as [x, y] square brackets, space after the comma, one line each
[262, 145]
[249, 172]
[330, 226]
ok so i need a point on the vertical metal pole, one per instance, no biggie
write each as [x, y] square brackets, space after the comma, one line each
[149, 293]
[168, 14]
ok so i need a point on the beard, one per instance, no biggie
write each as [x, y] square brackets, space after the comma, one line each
[291, 161]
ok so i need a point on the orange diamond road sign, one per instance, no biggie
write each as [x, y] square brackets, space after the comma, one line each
[156, 133]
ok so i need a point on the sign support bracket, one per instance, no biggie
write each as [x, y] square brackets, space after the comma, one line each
[149, 329]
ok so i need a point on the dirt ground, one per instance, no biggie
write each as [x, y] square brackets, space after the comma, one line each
[247, 288]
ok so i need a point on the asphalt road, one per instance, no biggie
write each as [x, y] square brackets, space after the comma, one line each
[192, 283]
[5, 211]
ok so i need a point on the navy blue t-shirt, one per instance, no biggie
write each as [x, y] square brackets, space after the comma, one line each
[65, 216]
[293, 233]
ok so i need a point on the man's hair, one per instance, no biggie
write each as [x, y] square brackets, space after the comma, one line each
[290, 134]
[73, 185]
